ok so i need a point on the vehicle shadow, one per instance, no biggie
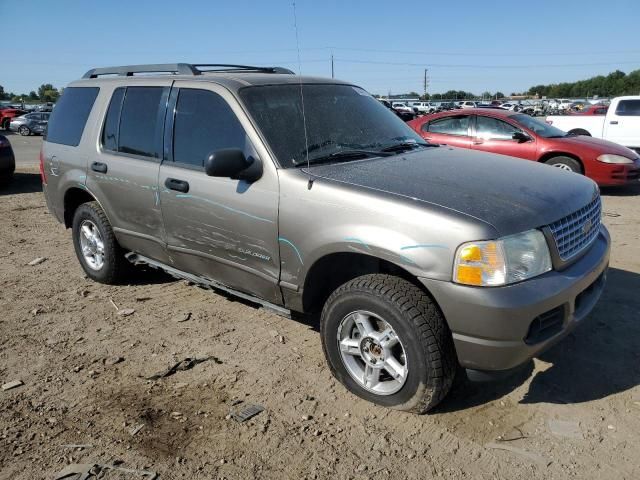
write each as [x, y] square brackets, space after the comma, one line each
[626, 191]
[143, 275]
[21, 183]
[599, 359]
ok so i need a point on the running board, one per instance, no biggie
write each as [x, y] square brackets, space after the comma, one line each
[138, 259]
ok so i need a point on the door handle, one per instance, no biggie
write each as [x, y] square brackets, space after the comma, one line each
[177, 185]
[99, 167]
[613, 122]
[478, 142]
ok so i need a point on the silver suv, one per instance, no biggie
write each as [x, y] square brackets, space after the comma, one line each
[308, 195]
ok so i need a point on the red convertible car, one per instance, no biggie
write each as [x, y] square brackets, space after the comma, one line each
[522, 136]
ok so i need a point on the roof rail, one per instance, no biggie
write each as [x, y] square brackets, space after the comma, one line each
[181, 69]
[223, 67]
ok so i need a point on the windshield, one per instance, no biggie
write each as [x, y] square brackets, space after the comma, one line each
[338, 117]
[541, 128]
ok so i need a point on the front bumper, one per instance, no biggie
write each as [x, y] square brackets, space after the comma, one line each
[617, 174]
[499, 328]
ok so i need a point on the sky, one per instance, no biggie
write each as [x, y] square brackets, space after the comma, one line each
[384, 47]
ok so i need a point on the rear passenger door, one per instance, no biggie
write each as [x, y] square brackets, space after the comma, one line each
[123, 175]
[223, 229]
[451, 130]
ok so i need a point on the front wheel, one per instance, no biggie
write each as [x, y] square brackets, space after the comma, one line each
[388, 343]
[565, 163]
[24, 131]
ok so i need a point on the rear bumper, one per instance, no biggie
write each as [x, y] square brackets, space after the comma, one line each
[501, 328]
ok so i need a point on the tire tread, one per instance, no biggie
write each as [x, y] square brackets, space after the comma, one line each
[433, 334]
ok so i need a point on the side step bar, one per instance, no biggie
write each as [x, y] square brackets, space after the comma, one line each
[137, 259]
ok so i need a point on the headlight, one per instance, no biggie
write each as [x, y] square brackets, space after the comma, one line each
[611, 158]
[501, 262]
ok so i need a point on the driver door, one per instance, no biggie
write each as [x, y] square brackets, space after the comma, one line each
[496, 136]
[222, 229]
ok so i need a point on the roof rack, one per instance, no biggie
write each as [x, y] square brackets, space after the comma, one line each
[181, 69]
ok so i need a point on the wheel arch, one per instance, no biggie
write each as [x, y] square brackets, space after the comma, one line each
[549, 155]
[334, 269]
[73, 198]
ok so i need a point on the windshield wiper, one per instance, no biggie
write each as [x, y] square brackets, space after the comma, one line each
[342, 155]
[402, 146]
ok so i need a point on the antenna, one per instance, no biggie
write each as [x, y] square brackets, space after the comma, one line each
[426, 82]
[304, 118]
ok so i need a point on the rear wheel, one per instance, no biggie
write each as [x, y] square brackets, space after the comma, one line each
[96, 247]
[388, 343]
[24, 131]
[565, 163]
[579, 131]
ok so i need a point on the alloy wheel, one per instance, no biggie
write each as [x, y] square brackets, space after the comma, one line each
[91, 245]
[372, 352]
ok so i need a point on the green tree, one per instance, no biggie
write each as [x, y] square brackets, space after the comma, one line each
[499, 95]
[48, 93]
[33, 95]
[3, 95]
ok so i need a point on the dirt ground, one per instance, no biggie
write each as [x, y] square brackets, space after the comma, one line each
[573, 413]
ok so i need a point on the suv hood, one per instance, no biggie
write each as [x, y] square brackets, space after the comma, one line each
[512, 195]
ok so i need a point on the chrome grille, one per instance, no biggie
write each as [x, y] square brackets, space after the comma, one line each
[575, 232]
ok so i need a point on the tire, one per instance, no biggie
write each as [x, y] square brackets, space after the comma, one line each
[565, 163]
[5, 123]
[113, 266]
[579, 131]
[423, 338]
[24, 131]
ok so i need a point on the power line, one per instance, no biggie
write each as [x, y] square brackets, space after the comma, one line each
[453, 65]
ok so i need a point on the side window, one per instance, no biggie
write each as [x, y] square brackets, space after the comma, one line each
[493, 129]
[140, 121]
[628, 108]
[70, 115]
[456, 125]
[204, 123]
[112, 121]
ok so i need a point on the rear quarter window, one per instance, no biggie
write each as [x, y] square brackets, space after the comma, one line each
[68, 119]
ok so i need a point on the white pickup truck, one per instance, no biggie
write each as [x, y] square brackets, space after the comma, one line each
[621, 124]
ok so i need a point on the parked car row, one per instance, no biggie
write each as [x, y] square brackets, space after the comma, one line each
[22, 122]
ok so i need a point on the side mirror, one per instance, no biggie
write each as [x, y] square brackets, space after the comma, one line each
[521, 137]
[232, 163]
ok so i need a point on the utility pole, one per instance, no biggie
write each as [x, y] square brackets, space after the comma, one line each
[426, 82]
[332, 66]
